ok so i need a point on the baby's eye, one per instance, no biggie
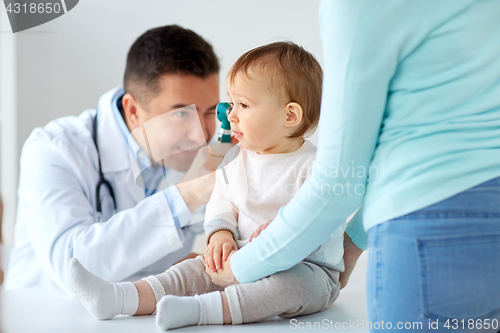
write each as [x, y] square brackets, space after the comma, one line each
[243, 105]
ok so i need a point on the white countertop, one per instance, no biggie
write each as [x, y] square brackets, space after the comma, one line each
[38, 310]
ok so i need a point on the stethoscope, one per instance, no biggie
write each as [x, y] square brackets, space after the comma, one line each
[102, 180]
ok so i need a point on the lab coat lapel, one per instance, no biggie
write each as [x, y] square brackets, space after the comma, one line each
[114, 152]
[112, 145]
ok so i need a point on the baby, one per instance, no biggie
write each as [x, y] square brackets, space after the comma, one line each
[275, 93]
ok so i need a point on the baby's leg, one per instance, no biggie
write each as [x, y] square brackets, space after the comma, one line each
[187, 278]
[179, 308]
[104, 300]
[305, 288]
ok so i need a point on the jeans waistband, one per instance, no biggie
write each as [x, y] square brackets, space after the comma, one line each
[482, 200]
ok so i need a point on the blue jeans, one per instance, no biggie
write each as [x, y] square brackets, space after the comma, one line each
[438, 267]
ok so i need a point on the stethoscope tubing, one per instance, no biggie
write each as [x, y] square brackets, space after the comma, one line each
[102, 180]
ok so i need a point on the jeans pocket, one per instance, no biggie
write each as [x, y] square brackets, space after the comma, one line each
[460, 276]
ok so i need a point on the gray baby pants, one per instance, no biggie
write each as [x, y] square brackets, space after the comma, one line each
[303, 289]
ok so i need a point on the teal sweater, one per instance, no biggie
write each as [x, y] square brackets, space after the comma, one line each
[410, 117]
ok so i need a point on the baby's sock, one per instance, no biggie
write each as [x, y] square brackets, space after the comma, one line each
[103, 300]
[176, 311]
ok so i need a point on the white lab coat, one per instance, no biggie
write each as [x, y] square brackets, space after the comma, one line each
[56, 217]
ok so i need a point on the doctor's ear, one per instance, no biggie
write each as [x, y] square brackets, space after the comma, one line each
[293, 114]
[131, 110]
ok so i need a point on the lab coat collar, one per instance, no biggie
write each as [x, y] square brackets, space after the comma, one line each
[113, 146]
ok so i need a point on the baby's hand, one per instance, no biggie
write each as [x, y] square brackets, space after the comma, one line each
[224, 277]
[221, 243]
[258, 230]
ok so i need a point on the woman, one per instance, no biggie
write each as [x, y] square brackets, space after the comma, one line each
[410, 129]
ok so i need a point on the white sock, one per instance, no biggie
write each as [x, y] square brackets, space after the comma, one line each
[175, 311]
[103, 300]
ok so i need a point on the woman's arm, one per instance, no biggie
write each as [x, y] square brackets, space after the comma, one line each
[362, 41]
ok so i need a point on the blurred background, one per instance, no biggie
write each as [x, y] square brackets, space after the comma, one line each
[62, 67]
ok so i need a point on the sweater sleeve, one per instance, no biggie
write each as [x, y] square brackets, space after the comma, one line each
[219, 215]
[361, 47]
[356, 231]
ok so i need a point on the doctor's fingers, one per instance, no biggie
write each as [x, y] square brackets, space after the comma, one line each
[219, 152]
[209, 158]
[220, 149]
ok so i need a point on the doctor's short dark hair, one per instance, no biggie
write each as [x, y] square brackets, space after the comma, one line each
[166, 50]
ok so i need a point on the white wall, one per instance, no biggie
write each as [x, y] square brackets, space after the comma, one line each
[64, 65]
[8, 126]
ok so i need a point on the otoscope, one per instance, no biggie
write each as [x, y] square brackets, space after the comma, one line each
[223, 109]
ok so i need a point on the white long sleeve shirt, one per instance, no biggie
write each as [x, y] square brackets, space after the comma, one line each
[252, 189]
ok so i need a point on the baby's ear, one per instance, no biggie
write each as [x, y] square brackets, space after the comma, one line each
[293, 114]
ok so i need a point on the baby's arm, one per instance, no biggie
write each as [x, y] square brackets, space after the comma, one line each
[221, 226]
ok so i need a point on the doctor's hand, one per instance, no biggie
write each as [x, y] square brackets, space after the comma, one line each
[224, 277]
[198, 183]
[220, 245]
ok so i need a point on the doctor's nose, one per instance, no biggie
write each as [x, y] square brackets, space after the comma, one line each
[197, 134]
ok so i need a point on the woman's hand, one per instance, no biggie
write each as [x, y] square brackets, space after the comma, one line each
[258, 230]
[220, 245]
[223, 277]
[351, 255]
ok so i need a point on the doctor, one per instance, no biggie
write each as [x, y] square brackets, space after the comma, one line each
[90, 186]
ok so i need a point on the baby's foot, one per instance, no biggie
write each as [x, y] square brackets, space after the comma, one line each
[175, 311]
[103, 300]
